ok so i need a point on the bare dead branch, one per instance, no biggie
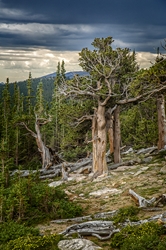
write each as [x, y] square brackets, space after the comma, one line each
[82, 119]
[145, 95]
[106, 237]
[32, 133]
[142, 202]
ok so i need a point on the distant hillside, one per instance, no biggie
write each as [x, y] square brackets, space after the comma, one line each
[69, 75]
[48, 84]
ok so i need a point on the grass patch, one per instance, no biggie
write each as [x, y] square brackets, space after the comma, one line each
[146, 192]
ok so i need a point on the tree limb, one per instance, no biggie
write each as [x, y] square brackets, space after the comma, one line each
[32, 133]
[145, 95]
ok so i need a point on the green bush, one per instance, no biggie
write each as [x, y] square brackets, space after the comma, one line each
[125, 213]
[11, 231]
[65, 209]
[34, 201]
[46, 242]
[148, 236]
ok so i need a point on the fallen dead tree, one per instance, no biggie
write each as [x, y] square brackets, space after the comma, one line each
[144, 203]
[104, 229]
[101, 229]
[104, 215]
[83, 166]
[141, 201]
[56, 170]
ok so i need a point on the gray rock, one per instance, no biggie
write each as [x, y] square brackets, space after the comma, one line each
[55, 183]
[138, 173]
[104, 191]
[147, 159]
[163, 170]
[77, 244]
[144, 168]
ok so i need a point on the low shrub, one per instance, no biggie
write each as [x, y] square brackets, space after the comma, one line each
[12, 230]
[126, 213]
[148, 236]
[46, 242]
[30, 201]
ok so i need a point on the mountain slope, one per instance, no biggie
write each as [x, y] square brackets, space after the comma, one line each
[48, 84]
[69, 75]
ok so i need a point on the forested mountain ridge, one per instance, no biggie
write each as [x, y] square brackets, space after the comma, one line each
[69, 75]
[48, 84]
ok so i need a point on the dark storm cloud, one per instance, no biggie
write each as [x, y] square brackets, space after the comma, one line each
[92, 11]
[139, 25]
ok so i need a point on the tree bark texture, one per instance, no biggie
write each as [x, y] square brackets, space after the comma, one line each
[48, 155]
[94, 141]
[117, 135]
[161, 122]
[44, 151]
[110, 130]
[99, 142]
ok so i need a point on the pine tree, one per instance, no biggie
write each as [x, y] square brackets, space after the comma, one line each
[39, 107]
[29, 95]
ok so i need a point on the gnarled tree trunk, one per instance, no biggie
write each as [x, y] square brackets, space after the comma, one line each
[99, 141]
[109, 127]
[94, 141]
[117, 135]
[44, 151]
[47, 154]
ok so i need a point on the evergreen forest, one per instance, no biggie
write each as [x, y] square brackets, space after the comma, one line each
[116, 103]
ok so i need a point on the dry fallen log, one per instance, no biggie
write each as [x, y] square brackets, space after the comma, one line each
[146, 151]
[84, 163]
[160, 200]
[125, 163]
[141, 201]
[101, 229]
[104, 215]
[50, 176]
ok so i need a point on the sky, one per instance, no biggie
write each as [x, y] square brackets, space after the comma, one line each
[36, 34]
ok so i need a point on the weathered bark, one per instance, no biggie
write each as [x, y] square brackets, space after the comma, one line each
[161, 122]
[99, 157]
[110, 128]
[141, 201]
[47, 154]
[44, 151]
[65, 173]
[95, 228]
[94, 142]
[117, 135]
[101, 216]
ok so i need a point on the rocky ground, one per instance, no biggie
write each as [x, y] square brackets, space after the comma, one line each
[147, 177]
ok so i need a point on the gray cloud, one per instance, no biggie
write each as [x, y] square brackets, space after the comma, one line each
[29, 26]
[75, 37]
[92, 11]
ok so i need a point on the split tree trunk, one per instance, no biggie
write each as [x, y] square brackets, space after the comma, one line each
[44, 151]
[46, 154]
[161, 122]
[117, 135]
